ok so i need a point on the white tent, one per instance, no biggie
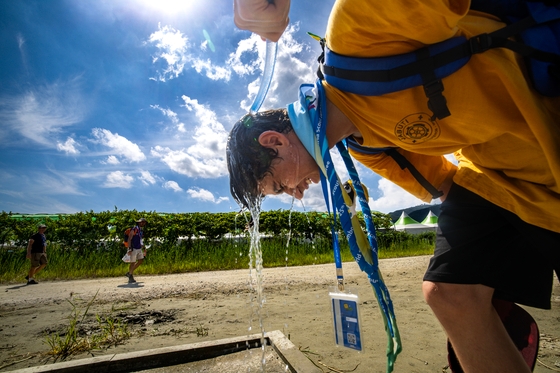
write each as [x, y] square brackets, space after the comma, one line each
[409, 225]
[430, 220]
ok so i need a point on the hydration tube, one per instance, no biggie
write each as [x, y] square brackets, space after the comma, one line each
[269, 62]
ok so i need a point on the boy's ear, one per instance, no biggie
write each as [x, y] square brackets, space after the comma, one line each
[272, 139]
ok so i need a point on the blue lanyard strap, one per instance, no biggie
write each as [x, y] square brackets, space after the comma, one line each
[364, 250]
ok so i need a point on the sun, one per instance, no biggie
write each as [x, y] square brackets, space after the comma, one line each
[169, 7]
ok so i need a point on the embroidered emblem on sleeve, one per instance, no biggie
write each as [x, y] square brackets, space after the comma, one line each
[416, 129]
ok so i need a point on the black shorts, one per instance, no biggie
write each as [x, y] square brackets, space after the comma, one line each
[480, 243]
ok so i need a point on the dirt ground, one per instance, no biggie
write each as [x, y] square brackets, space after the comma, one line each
[193, 307]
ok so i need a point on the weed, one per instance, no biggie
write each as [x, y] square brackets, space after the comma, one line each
[201, 331]
[111, 332]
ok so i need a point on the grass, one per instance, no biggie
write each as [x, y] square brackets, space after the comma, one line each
[197, 255]
[71, 341]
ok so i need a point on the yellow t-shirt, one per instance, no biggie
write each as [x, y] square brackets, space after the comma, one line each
[505, 136]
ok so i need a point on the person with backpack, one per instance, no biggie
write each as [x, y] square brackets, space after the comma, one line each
[498, 238]
[37, 254]
[135, 245]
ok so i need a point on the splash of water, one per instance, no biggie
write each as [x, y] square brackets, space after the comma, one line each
[312, 238]
[256, 279]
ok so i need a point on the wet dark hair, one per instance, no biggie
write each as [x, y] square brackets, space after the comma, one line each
[248, 161]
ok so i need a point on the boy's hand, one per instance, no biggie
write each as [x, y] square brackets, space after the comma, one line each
[267, 18]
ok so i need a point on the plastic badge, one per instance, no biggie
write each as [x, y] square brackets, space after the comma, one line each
[346, 320]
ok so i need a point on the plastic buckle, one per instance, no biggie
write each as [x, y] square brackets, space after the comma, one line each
[433, 88]
[480, 43]
[437, 103]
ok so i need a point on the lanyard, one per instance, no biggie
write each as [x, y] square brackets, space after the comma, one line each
[363, 250]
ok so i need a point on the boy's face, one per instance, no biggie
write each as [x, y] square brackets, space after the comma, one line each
[293, 171]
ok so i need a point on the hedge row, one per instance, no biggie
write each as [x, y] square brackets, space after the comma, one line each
[86, 230]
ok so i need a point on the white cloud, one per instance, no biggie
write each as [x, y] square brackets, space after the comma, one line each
[119, 144]
[210, 135]
[393, 198]
[111, 160]
[43, 111]
[173, 185]
[205, 195]
[172, 48]
[184, 163]
[147, 178]
[179, 126]
[174, 53]
[289, 73]
[69, 146]
[206, 157]
[236, 60]
[118, 179]
[213, 72]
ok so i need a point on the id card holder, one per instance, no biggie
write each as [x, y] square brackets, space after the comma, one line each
[346, 320]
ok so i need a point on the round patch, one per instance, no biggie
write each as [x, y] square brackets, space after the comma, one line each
[417, 128]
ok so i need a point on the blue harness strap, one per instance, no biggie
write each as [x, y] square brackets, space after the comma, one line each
[535, 24]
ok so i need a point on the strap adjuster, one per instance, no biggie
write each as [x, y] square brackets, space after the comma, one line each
[480, 43]
[433, 88]
[436, 101]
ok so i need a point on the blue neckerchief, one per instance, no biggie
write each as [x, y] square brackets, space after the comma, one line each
[311, 110]
[303, 113]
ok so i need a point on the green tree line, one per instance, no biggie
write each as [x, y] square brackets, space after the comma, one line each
[88, 244]
[85, 230]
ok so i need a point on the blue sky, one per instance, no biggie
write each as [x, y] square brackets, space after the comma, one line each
[128, 103]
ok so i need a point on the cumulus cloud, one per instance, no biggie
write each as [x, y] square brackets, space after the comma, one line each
[237, 60]
[205, 195]
[118, 179]
[293, 68]
[174, 53]
[172, 48]
[147, 178]
[393, 198]
[118, 144]
[111, 160]
[206, 157]
[69, 146]
[211, 71]
[173, 185]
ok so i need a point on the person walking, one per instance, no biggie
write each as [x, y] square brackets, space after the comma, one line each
[37, 254]
[135, 248]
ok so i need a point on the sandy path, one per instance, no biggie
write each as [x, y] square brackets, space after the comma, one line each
[172, 309]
